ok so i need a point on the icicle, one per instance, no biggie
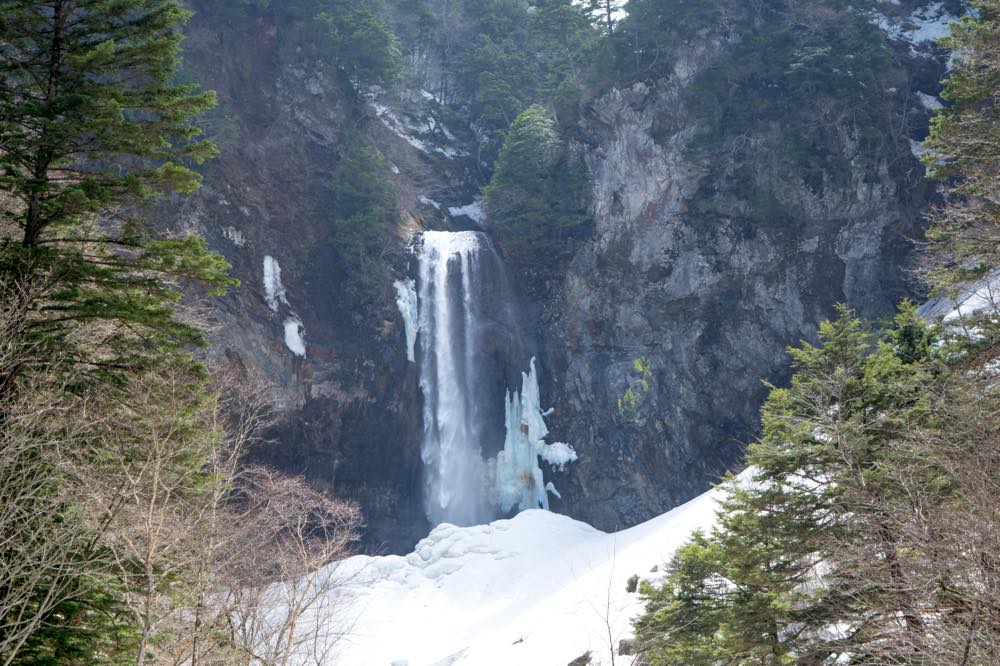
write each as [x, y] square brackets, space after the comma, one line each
[406, 301]
[519, 480]
[274, 291]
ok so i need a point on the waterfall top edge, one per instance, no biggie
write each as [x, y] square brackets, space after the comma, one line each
[449, 243]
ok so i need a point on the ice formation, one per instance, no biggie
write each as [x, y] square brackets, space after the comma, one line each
[274, 291]
[519, 481]
[276, 296]
[293, 336]
[406, 301]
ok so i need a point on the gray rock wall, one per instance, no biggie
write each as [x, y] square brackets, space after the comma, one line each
[673, 315]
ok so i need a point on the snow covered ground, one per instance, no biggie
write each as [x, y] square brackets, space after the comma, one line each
[540, 588]
[977, 298]
[925, 26]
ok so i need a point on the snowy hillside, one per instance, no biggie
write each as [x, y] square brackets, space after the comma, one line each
[540, 588]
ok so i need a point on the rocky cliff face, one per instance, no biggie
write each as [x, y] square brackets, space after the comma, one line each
[348, 403]
[712, 251]
[706, 264]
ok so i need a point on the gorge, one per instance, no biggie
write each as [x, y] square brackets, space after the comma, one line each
[716, 239]
[491, 332]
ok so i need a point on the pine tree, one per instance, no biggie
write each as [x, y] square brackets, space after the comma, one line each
[365, 208]
[359, 42]
[538, 197]
[605, 13]
[93, 126]
[805, 563]
[965, 154]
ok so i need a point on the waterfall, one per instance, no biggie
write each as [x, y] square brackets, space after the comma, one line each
[480, 454]
[453, 292]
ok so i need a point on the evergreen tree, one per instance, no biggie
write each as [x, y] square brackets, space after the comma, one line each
[358, 41]
[92, 127]
[538, 198]
[364, 207]
[805, 563]
[523, 54]
[965, 154]
[605, 13]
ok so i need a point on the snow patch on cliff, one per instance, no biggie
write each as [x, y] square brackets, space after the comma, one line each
[473, 211]
[427, 201]
[978, 298]
[294, 332]
[274, 290]
[925, 26]
[234, 236]
[929, 102]
[276, 296]
[420, 134]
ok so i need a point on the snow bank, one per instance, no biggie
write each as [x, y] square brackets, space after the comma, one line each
[293, 336]
[977, 298]
[473, 211]
[540, 588]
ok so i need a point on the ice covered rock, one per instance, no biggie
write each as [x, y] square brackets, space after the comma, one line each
[293, 336]
[274, 291]
[519, 480]
[406, 301]
[473, 211]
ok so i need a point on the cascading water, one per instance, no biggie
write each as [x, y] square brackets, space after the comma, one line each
[452, 295]
[480, 453]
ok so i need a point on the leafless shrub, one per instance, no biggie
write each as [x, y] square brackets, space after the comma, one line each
[43, 441]
[283, 598]
[928, 578]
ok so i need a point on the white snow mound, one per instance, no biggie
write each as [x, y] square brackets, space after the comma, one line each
[540, 588]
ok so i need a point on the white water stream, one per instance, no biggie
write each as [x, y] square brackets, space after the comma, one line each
[450, 287]
[480, 451]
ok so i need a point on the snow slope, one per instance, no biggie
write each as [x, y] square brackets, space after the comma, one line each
[982, 296]
[540, 588]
